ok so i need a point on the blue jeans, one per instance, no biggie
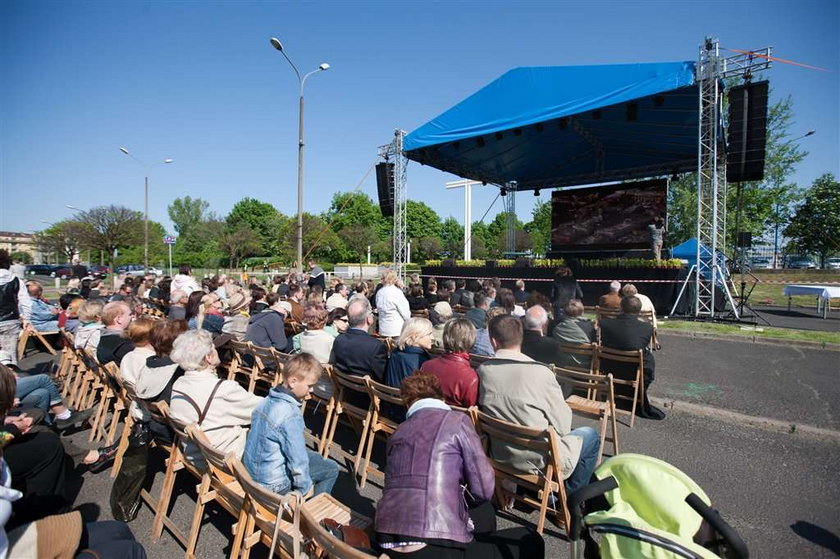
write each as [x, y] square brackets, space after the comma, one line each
[42, 385]
[588, 456]
[322, 471]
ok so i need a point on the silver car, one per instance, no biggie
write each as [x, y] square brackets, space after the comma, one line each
[832, 264]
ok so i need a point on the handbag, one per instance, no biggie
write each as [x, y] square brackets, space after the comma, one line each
[352, 536]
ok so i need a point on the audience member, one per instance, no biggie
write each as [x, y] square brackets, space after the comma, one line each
[628, 332]
[535, 344]
[113, 343]
[411, 352]
[507, 302]
[337, 321]
[461, 296]
[571, 327]
[314, 340]
[629, 290]
[267, 327]
[441, 312]
[338, 300]
[177, 305]
[44, 315]
[478, 314]
[565, 287]
[236, 318]
[208, 313]
[392, 306]
[90, 326]
[482, 335]
[519, 294]
[221, 408]
[359, 290]
[458, 380]
[258, 299]
[514, 387]
[275, 452]
[295, 299]
[611, 299]
[416, 300]
[356, 352]
[221, 287]
[183, 280]
[316, 276]
[134, 362]
[68, 318]
[431, 292]
[147, 289]
[125, 290]
[438, 486]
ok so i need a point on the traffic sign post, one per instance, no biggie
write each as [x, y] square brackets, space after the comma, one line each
[169, 240]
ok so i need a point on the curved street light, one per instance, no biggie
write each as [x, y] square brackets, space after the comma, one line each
[275, 42]
[145, 208]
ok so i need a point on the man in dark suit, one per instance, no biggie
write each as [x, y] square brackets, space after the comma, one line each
[628, 332]
[478, 314]
[462, 296]
[535, 344]
[356, 352]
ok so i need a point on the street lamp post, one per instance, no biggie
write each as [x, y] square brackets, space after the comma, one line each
[302, 81]
[777, 215]
[145, 208]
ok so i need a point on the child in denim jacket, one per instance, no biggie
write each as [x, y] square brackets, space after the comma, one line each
[275, 452]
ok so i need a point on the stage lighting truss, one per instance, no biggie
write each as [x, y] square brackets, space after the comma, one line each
[393, 153]
[712, 69]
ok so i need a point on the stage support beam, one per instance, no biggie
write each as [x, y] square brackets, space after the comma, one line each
[467, 185]
[510, 210]
[393, 153]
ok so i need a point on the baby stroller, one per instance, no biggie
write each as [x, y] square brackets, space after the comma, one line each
[644, 507]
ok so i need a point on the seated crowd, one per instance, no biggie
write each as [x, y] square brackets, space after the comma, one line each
[166, 335]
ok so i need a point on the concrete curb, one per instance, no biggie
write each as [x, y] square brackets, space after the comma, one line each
[750, 339]
[757, 422]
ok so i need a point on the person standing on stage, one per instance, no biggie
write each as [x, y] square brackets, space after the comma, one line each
[656, 230]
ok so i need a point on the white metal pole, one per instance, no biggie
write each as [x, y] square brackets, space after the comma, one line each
[170, 259]
[368, 254]
[468, 221]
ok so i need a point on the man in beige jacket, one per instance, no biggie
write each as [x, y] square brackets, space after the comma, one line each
[515, 388]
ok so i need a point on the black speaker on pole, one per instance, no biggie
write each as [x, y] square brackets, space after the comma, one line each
[744, 239]
[747, 132]
[385, 187]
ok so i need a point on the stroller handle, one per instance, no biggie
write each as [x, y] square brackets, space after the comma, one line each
[576, 500]
[713, 517]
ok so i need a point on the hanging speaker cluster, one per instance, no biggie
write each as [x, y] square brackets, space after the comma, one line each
[385, 187]
[747, 132]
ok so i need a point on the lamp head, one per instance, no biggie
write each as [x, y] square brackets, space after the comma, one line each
[125, 151]
[275, 42]
[168, 160]
[324, 66]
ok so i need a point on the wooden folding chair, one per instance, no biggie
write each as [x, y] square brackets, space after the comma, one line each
[420, 313]
[616, 362]
[217, 484]
[274, 519]
[268, 367]
[602, 313]
[325, 544]
[648, 317]
[242, 361]
[175, 462]
[108, 379]
[587, 354]
[344, 385]
[545, 482]
[27, 333]
[325, 403]
[381, 395]
[593, 395]
[65, 364]
[92, 383]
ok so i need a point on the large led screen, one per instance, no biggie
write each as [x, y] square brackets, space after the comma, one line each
[606, 217]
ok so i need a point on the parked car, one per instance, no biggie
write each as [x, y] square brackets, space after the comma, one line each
[802, 264]
[761, 263]
[64, 271]
[137, 270]
[99, 271]
[40, 269]
[832, 263]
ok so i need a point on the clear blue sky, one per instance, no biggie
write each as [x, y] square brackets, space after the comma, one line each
[198, 82]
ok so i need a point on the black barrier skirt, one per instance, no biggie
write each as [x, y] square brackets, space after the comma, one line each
[660, 284]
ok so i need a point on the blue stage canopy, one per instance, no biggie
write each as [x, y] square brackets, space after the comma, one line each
[568, 125]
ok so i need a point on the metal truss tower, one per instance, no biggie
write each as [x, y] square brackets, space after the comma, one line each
[393, 153]
[509, 201]
[712, 70]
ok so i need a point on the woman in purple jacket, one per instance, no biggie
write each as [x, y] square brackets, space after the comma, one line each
[438, 486]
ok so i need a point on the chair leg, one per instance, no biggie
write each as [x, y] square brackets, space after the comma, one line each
[249, 529]
[241, 525]
[603, 428]
[198, 514]
[118, 458]
[165, 493]
[331, 433]
[614, 423]
[362, 442]
[546, 495]
[115, 421]
[323, 443]
[21, 348]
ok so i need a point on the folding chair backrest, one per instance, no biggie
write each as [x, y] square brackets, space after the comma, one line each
[538, 440]
[627, 369]
[348, 383]
[273, 503]
[422, 313]
[606, 312]
[585, 353]
[217, 460]
[383, 393]
[594, 387]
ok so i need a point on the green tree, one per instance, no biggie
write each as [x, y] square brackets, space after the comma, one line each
[109, 228]
[761, 203]
[261, 217]
[427, 248]
[187, 212]
[21, 256]
[356, 208]
[158, 253]
[239, 243]
[815, 225]
[540, 227]
[63, 238]
[356, 239]
[482, 245]
[452, 237]
[200, 246]
[422, 220]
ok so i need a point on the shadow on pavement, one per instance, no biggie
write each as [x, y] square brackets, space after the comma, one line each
[817, 535]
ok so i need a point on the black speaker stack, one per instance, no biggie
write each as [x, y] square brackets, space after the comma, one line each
[385, 187]
[747, 132]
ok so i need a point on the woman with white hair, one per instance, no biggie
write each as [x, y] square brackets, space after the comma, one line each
[392, 306]
[221, 408]
[412, 350]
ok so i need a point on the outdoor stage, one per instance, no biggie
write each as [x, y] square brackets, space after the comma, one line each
[660, 284]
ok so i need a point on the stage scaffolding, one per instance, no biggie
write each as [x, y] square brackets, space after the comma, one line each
[393, 153]
[712, 69]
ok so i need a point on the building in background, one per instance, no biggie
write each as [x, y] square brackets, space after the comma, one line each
[21, 242]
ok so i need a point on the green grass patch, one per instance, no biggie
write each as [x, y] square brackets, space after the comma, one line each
[735, 330]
